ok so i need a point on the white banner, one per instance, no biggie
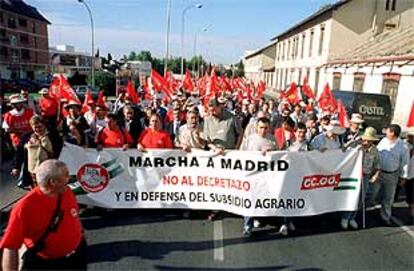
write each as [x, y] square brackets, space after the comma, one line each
[241, 182]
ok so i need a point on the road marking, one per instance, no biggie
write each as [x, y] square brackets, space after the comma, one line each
[402, 226]
[218, 240]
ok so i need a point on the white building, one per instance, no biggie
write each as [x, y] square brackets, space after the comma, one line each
[355, 45]
[260, 65]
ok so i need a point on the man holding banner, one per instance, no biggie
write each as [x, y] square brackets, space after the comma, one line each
[262, 141]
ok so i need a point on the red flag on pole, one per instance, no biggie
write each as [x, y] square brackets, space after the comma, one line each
[292, 94]
[307, 90]
[327, 100]
[342, 115]
[132, 93]
[410, 122]
[160, 84]
[60, 88]
[187, 81]
[100, 101]
[88, 100]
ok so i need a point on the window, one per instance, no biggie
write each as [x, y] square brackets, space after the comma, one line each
[321, 40]
[307, 73]
[11, 23]
[359, 80]
[1, 17]
[3, 33]
[297, 47]
[336, 84]
[25, 54]
[390, 83]
[286, 79]
[311, 43]
[288, 50]
[302, 49]
[33, 27]
[316, 80]
[300, 76]
[22, 22]
[283, 51]
[390, 5]
[24, 38]
[4, 51]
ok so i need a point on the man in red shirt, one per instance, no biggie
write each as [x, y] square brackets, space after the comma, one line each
[113, 135]
[16, 121]
[154, 137]
[64, 247]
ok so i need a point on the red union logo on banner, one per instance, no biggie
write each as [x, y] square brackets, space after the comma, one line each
[93, 177]
[320, 181]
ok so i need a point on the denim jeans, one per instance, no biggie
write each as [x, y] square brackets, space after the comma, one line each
[385, 189]
[247, 223]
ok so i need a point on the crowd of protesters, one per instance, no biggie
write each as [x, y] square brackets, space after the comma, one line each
[37, 129]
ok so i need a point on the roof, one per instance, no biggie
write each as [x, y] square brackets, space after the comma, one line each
[260, 50]
[320, 12]
[20, 7]
[390, 45]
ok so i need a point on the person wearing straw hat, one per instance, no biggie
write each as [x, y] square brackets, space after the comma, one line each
[370, 173]
[352, 136]
[31, 102]
[16, 121]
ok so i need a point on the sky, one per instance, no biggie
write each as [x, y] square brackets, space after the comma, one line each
[225, 28]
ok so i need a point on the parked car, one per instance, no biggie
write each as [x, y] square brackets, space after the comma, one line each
[375, 108]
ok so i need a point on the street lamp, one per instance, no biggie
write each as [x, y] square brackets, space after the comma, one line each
[182, 34]
[93, 43]
[204, 29]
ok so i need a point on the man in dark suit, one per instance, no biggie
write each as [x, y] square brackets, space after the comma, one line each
[174, 125]
[131, 123]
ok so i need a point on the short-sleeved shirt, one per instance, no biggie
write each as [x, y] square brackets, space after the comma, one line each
[255, 142]
[151, 139]
[31, 216]
[114, 138]
[190, 137]
[48, 107]
[223, 132]
[18, 121]
[370, 160]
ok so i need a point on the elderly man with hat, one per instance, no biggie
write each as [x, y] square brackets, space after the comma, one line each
[352, 136]
[16, 121]
[370, 173]
[329, 140]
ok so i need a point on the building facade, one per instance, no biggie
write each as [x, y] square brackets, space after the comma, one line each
[24, 42]
[354, 45]
[65, 59]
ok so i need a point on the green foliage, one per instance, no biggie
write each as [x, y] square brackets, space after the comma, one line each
[239, 71]
[105, 81]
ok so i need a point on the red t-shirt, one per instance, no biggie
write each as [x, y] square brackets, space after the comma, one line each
[48, 107]
[20, 123]
[30, 218]
[151, 139]
[114, 139]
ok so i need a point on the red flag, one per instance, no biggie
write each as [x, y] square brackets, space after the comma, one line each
[160, 84]
[307, 90]
[261, 87]
[100, 101]
[327, 100]
[292, 94]
[342, 115]
[188, 82]
[60, 88]
[410, 122]
[132, 93]
[226, 84]
[171, 82]
[214, 86]
[88, 100]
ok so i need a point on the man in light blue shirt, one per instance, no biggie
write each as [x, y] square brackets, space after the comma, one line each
[394, 157]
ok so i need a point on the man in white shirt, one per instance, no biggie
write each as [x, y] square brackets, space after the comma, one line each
[394, 157]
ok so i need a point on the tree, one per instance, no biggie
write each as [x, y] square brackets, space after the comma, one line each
[144, 56]
[132, 55]
[239, 69]
[105, 81]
